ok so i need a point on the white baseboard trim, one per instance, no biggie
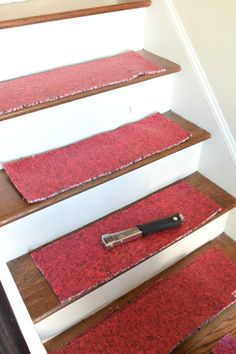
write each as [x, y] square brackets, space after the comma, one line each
[200, 74]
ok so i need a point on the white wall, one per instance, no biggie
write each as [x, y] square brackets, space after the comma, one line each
[189, 98]
[211, 26]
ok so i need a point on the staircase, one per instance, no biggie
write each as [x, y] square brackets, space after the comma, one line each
[64, 35]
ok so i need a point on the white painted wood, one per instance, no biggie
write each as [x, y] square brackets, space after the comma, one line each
[25, 234]
[231, 225]
[39, 47]
[10, 1]
[92, 302]
[22, 316]
[61, 125]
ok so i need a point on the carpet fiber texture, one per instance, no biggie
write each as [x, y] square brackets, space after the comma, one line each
[42, 176]
[68, 81]
[78, 263]
[166, 313]
[227, 345]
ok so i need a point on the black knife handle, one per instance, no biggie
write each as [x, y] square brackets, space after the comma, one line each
[161, 224]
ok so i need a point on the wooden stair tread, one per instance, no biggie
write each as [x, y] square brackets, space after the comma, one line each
[37, 11]
[198, 343]
[169, 66]
[38, 295]
[13, 207]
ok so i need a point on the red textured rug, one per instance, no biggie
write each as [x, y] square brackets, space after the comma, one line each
[42, 176]
[227, 345]
[67, 81]
[166, 313]
[79, 262]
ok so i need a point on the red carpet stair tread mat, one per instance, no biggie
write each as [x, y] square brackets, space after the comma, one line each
[42, 176]
[227, 345]
[166, 313]
[78, 263]
[67, 81]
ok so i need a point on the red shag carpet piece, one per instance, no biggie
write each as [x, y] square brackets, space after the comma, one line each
[79, 262]
[67, 81]
[44, 175]
[227, 345]
[166, 313]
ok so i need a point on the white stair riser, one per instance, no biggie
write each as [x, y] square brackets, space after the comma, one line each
[9, 1]
[94, 301]
[23, 235]
[231, 225]
[48, 45]
[61, 125]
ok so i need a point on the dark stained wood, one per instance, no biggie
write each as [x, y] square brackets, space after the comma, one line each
[37, 294]
[37, 11]
[200, 342]
[170, 68]
[13, 207]
[34, 289]
[11, 338]
[210, 189]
